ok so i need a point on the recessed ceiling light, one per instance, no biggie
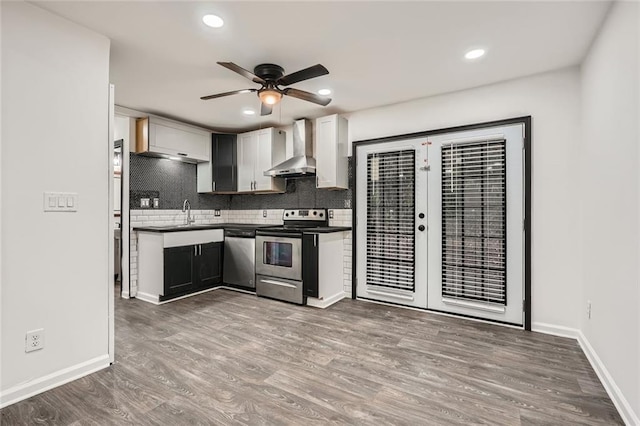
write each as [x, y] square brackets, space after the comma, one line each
[249, 112]
[324, 92]
[474, 54]
[213, 21]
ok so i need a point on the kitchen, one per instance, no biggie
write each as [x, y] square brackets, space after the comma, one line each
[548, 103]
[162, 185]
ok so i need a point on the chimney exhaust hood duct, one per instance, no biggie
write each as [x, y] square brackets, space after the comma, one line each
[302, 163]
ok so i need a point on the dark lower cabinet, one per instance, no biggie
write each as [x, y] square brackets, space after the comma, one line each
[209, 264]
[191, 268]
[178, 270]
[310, 265]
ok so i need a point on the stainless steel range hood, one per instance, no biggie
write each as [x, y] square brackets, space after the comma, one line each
[302, 163]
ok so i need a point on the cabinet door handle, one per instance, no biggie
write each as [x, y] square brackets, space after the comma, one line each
[182, 154]
[195, 250]
[200, 250]
[214, 185]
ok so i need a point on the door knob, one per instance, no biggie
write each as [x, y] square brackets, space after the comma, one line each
[421, 228]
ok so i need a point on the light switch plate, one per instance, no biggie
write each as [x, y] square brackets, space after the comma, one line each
[60, 202]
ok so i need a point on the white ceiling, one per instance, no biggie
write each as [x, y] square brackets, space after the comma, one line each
[378, 53]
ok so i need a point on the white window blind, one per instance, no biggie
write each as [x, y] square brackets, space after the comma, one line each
[474, 240]
[390, 219]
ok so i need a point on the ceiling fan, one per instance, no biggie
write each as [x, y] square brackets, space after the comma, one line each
[271, 76]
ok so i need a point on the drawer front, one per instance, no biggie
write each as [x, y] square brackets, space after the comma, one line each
[280, 289]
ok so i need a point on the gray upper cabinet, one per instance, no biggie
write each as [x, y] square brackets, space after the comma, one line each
[220, 174]
[223, 161]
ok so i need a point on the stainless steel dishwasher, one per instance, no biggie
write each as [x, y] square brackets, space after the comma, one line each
[239, 267]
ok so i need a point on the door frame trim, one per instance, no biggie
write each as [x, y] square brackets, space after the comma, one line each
[526, 121]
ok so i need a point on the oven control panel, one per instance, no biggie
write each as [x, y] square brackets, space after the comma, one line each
[319, 215]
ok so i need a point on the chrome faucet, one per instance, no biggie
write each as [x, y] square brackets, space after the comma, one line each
[186, 206]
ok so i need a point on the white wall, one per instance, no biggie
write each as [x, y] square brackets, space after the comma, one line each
[552, 99]
[55, 78]
[610, 195]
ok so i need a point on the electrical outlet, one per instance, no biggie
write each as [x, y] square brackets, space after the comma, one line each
[144, 202]
[347, 204]
[156, 203]
[216, 213]
[589, 309]
[34, 340]
[264, 213]
[330, 214]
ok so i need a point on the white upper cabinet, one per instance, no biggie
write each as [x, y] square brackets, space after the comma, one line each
[157, 136]
[258, 151]
[331, 152]
[247, 151]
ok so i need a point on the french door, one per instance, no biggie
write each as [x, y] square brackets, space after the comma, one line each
[440, 222]
[391, 203]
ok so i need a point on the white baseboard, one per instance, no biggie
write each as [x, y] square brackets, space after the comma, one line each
[555, 330]
[148, 298]
[239, 290]
[325, 303]
[125, 295]
[50, 381]
[621, 403]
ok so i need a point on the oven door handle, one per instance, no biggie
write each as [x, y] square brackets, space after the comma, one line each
[279, 234]
[278, 283]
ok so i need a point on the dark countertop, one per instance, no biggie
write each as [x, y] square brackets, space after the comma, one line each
[182, 228]
[327, 230]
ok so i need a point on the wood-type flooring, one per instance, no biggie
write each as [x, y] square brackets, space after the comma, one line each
[225, 357]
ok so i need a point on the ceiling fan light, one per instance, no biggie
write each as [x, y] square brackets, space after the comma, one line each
[270, 97]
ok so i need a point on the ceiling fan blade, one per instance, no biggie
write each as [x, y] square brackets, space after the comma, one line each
[235, 92]
[265, 109]
[247, 74]
[307, 96]
[305, 74]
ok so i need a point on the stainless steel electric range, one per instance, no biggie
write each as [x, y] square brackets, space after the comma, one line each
[286, 256]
